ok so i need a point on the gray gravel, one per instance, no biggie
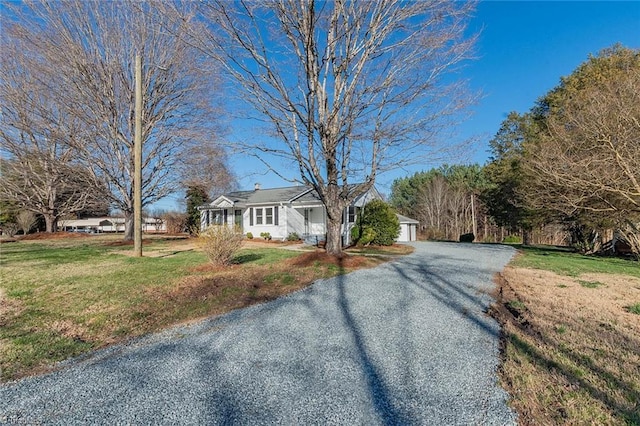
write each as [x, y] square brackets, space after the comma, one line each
[408, 342]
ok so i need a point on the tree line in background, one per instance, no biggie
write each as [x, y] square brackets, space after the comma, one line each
[567, 171]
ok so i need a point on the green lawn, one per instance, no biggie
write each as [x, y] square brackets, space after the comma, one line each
[564, 262]
[61, 298]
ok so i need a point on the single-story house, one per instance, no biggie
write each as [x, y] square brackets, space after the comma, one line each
[281, 212]
[108, 224]
[408, 229]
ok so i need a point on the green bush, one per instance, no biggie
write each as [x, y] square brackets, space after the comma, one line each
[266, 235]
[250, 235]
[377, 224]
[512, 239]
[293, 237]
[368, 236]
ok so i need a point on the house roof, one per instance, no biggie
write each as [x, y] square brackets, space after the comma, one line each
[404, 219]
[95, 221]
[263, 196]
[290, 194]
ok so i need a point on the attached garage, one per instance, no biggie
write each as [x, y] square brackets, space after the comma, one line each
[408, 229]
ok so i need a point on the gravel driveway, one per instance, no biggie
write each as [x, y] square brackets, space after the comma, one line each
[405, 343]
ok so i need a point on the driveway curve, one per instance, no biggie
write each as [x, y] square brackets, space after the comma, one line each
[408, 342]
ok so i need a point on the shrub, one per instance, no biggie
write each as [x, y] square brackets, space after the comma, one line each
[266, 235]
[220, 243]
[377, 224]
[175, 222]
[10, 229]
[293, 237]
[368, 236]
[467, 238]
[250, 235]
[512, 239]
[355, 234]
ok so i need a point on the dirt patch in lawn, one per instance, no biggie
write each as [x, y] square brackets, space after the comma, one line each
[9, 308]
[54, 236]
[571, 348]
[262, 283]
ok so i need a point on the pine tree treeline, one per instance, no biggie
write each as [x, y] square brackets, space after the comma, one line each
[565, 172]
[451, 201]
[447, 202]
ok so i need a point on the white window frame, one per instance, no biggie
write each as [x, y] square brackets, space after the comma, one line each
[268, 215]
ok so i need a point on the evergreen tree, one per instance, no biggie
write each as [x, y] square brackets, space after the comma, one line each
[196, 196]
[377, 224]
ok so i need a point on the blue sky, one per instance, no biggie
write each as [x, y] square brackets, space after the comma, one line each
[523, 50]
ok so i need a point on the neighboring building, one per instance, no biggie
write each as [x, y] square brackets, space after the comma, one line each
[108, 224]
[408, 229]
[281, 212]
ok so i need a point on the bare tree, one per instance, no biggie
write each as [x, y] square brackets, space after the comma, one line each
[40, 172]
[350, 89]
[91, 45]
[207, 167]
[432, 205]
[26, 220]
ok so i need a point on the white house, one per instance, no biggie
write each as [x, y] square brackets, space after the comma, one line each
[280, 212]
[108, 224]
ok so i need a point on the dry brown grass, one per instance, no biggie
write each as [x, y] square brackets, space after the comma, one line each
[259, 283]
[572, 349]
[9, 308]
[54, 236]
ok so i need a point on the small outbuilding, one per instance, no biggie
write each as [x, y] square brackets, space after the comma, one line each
[408, 229]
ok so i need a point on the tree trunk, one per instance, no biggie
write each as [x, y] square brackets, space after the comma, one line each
[128, 226]
[51, 222]
[334, 237]
[526, 237]
[473, 217]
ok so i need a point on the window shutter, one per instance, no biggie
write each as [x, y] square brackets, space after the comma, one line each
[251, 216]
[275, 215]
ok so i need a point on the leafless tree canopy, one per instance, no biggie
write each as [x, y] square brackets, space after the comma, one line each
[351, 89]
[26, 220]
[87, 49]
[40, 172]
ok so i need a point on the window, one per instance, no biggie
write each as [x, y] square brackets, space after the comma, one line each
[352, 214]
[218, 217]
[258, 216]
[268, 214]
